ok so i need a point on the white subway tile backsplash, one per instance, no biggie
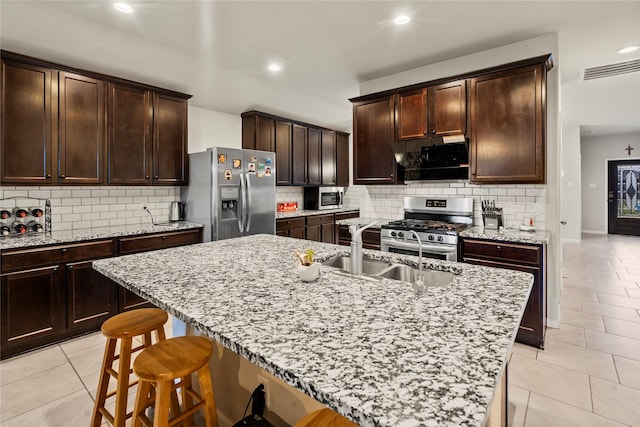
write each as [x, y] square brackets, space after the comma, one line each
[40, 194]
[90, 216]
[108, 215]
[80, 193]
[90, 200]
[133, 192]
[81, 209]
[109, 200]
[118, 221]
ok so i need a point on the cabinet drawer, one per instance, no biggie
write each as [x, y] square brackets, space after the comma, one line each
[150, 242]
[320, 219]
[286, 224]
[530, 254]
[347, 215]
[23, 259]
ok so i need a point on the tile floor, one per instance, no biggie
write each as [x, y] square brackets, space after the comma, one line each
[588, 374]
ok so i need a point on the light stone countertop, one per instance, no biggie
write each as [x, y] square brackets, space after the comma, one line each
[373, 350]
[81, 234]
[513, 235]
[306, 212]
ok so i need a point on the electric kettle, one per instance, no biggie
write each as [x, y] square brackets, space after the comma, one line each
[176, 211]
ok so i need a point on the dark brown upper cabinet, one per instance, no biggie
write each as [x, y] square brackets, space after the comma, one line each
[129, 147]
[283, 152]
[508, 126]
[81, 129]
[328, 157]
[306, 159]
[170, 160]
[342, 159]
[373, 134]
[68, 126]
[305, 154]
[438, 110]
[27, 125]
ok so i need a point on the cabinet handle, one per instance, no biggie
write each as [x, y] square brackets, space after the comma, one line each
[48, 175]
[156, 177]
[146, 177]
[62, 177]
[164, 237]
[498, 248]
[433, 131]
[63, 250]
[69, 267]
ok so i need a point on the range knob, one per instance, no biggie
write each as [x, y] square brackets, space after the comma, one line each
[400, 234]
[440, 238]
[393, 234]
[430, 237]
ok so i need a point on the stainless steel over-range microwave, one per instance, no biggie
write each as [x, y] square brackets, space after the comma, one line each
[318, 198]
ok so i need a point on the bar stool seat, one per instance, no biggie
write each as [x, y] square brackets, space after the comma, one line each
[325, 418]
[159, 366]
[124, 327]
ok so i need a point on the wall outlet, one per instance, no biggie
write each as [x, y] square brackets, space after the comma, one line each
[267, 390]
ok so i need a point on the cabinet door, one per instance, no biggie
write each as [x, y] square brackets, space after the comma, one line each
[297, 233]
[411, 110]
[328, 157]
[299, 155]
[265, 134]
[328, 233]
[342, 159]
[169, 140]
[128, 300]
[129, 137]
[373, 158]
[81, 133]
[448, 108]
[314, 233]
[91, 297]
[283, 153]
[314, 157]
[30, 307]
[507, 126]
[26, 155]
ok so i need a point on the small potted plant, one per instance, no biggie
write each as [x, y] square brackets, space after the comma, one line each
[307, 270]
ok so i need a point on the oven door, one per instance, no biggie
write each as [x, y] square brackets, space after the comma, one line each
[443, 252]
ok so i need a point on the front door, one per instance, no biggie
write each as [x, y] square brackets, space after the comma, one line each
[623, 197]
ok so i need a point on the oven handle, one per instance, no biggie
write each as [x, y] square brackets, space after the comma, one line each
[438, 249]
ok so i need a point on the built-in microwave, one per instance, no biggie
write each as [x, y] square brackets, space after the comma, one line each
[318, 198]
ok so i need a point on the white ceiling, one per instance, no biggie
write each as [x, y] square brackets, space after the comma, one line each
[218, 51]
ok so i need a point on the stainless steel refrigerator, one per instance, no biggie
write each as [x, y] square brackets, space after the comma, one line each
[232, 192]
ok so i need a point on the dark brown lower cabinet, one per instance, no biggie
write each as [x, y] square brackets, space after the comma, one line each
[51, 293]
[320, 228]
[529, 258]
[291, 227]
[370, 237]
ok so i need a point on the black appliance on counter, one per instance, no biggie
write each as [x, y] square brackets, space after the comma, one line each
[437, 222]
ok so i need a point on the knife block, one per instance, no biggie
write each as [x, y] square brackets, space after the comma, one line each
[492, 220]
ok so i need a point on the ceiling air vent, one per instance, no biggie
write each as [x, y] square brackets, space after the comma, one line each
[611, 70]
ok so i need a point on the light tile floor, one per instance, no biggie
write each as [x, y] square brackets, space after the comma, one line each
[588, 374]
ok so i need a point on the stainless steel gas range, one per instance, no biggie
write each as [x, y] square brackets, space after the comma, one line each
[437, 222]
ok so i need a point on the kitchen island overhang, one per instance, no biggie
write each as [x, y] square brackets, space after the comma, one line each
[373, 350]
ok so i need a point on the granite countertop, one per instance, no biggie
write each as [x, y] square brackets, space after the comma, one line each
[514, 235]
[307, 212]
[362, 221]
[373, 350]
[70, 236]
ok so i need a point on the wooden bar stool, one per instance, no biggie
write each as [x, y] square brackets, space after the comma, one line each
[159, 366]
[325, 418]
[124, 327]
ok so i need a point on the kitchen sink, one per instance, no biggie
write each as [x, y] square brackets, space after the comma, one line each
[388, 270]
[370, 267]
[408, 274]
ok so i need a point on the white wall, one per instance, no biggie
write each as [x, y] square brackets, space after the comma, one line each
[549, 43]
[571, 184]
[595, 153]
[208, 128]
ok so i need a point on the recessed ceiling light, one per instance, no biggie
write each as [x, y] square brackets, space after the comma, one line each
[123, 7]
[274, 67]
[401, 19]
[629, 49]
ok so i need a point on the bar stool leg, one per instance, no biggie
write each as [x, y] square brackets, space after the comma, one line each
[163, 391]
[206, 390]
[103, 383]
[123, 382]
[140, 406]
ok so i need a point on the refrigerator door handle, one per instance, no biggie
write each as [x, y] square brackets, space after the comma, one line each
[243, 211]
[248, 209]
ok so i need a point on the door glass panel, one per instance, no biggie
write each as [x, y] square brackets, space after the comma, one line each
[628, 200]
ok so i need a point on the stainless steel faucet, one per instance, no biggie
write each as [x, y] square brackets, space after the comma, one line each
[419, 284]
[356, 247]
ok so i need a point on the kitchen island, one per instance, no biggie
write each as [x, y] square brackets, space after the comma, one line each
[374, 350]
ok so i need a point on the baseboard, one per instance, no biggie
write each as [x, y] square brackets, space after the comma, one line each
[553, 323]
[594, 232]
